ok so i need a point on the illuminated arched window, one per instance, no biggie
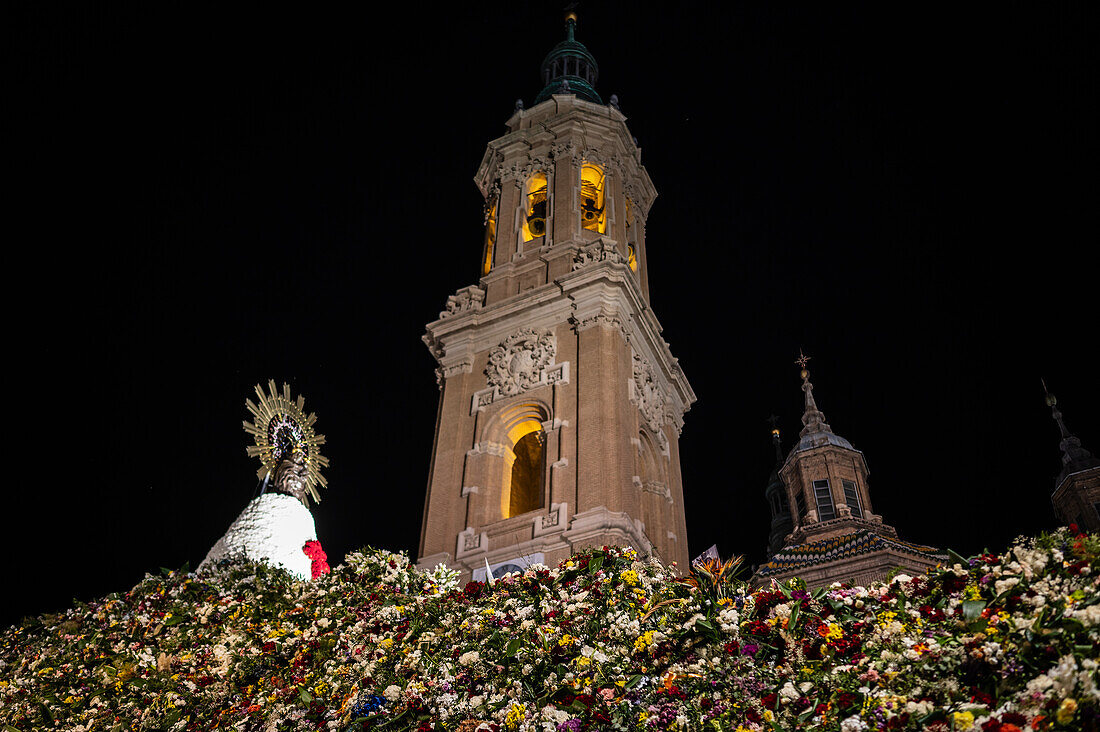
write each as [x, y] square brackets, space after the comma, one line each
[534, 219]
[490, 238]
[631, 253]
[593, 215]
[526, 474]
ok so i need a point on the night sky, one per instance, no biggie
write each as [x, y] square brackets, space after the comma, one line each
[209, 196]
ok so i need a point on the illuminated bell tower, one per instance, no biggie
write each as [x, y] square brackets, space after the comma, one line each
[561, 405]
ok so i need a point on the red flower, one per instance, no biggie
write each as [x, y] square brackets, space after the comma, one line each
[313, 550]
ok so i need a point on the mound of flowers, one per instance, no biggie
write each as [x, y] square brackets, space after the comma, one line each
[605, 641]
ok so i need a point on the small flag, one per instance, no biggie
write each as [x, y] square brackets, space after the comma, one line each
[710, 553]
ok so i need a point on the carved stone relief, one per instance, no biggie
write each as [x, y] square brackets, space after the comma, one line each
[647, 395]
[468, 298]
[598, 251]
[518, 363]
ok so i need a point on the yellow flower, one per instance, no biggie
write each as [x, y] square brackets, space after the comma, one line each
[1066, 711]
[565, 640]
[629, 576]
[386, 644]
[964, 720]
[645, 639]
[768, 716]
[515, 716]
[834, 632]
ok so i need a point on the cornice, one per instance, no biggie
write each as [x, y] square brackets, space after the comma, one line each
[604, 293]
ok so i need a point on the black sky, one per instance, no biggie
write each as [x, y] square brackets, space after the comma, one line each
[210, 196]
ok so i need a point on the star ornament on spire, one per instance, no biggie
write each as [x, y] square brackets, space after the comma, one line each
[282, 431]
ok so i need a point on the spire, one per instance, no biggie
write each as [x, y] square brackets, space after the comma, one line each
[812, 419]
[776, 494]
[776, 441]
[1074, 456]
[569, 68]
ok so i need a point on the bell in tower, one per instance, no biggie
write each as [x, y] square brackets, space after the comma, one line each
[560, 403]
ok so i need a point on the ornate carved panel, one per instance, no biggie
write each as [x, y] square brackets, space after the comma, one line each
[598, 251]
[646, 393]
[518, 363]
[468, 298]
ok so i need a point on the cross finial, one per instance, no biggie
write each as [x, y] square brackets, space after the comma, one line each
[802, 359]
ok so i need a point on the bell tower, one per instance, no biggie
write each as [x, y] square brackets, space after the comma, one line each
[560, 404]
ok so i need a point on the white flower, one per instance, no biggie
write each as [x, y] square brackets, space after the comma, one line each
[853, 724]
[788, 692]
[469, 657]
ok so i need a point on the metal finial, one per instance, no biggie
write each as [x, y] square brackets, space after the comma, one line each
[1050, 399]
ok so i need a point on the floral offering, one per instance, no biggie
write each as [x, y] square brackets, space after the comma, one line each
[605, 641]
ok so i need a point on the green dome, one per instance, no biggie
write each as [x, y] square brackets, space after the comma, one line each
[570, 69]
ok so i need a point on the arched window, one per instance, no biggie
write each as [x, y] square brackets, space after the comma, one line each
[534, 221]
[651, 467]
[593, 215]
[631, 252]
[490, 238]
[525, 468]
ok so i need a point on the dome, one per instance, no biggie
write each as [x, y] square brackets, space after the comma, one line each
[569, 68]
[818, 439]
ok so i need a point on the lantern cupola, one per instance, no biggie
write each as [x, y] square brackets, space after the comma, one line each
[569, 68]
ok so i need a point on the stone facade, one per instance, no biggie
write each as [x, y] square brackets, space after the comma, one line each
[557, 339]
[1076, 499]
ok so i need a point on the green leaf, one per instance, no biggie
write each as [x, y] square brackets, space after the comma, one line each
[972, 610]
[957, 558]
[632, 682]
[595, 563]
[513, 646]
[305, 697]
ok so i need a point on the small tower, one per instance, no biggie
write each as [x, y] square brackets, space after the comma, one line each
[826, 477]
[561, 405]
[835, 535]
[1076, 495]
[776, 493]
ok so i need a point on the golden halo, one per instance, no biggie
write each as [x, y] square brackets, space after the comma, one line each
[280, 428]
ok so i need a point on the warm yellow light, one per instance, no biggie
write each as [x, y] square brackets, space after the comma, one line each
[593, 212]
[522, 429]
[490, 239]
[631, 257]
[534, 220]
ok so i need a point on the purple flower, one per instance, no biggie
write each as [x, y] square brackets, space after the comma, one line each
[572, 725]
[749, 649]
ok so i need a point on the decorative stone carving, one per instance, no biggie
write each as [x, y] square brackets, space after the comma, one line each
[520, 171]
[468, 298]
[603, 250]
[471, 542]
[552, 522]
[647, 395]
[518, 363]
[565, 151]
